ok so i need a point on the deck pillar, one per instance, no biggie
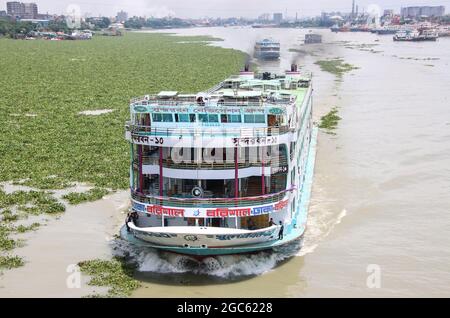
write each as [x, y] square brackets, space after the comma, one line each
[141, 176]
[263, 181]
[161, 183]
[236, 179]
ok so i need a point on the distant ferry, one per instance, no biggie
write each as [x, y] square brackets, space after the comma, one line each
[416, 35]
[267, 49]
[337, 28]
[385, 30]
[224, 171]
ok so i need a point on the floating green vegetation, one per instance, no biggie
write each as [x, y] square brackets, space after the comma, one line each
[30, 202]
[91, 195]
[46, 144]
[6, 243]
[335, 66]
[56, 80]
[24, 229]
[51, 182]
[299, 51]
[116, 274]
[9, 262]
[330, 121]
[8, 216]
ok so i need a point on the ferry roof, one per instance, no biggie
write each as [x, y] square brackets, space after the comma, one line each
[168, 94]
[238, 91]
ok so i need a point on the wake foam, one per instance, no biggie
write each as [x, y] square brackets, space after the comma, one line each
[225, 266]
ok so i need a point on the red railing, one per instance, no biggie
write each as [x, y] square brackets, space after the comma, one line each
[211, 202]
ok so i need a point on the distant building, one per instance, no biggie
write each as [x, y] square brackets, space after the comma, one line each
[14, 8]
[388, 13]
[3, 13]
[30, 11]
[415, 12]
[277, 17]
[22, 10]
[122, 16]
[264, 17]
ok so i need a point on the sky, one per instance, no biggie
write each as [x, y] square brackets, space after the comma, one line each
[218, 8]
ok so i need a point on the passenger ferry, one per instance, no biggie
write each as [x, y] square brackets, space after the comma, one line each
[416, 35]
[267, 49]
[222, 171]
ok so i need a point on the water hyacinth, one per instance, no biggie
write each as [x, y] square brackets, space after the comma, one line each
[45, 140]
[56, 81]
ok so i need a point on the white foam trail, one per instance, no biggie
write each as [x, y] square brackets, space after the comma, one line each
[341, 216]
[150, 260]
[307, 250]
[321, 230]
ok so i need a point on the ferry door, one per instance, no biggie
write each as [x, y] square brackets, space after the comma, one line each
[272, 120]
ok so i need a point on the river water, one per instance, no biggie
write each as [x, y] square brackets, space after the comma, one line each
[379, 222]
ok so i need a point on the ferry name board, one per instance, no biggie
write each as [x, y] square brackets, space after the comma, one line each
[208, 212]
[207, 110]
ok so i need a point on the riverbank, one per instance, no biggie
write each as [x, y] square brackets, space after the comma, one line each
[55, 134]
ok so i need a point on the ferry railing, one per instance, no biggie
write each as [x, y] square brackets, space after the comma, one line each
[167, 163]
[209, 131]
[211, 202]
[279, 102]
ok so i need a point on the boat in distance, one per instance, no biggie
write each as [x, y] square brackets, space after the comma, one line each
[267, 49]
[225, 171]
[419, 35]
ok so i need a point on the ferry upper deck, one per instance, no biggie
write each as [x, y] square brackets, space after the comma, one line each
[241, 106]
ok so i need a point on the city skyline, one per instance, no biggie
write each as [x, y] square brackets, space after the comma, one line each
[220, 8]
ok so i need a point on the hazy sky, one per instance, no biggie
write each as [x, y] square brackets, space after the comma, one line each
[215, 8]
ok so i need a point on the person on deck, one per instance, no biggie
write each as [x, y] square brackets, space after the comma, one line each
[271, 222]
[251, 225]
[280, 234]
[134, 217]
[128, 219]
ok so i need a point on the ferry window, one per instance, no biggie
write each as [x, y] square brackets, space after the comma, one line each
[203, 118]
[167, 118]
[261, 119]
[185, 118]
[157, 117]
[213, 118]
[234, 118]
[182, 118]
[254, 119]
[230, 118]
